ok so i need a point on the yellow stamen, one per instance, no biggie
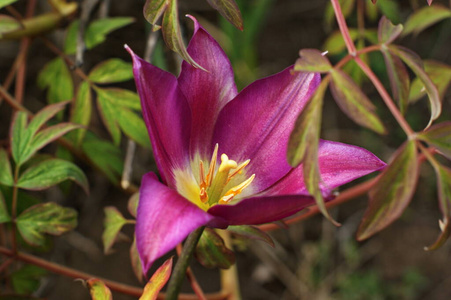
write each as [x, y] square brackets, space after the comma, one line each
[211, 170]
[226, 164]
[236, 190]
[238, 170]
[203, 195]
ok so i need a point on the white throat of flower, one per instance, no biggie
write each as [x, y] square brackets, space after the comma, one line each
[206, 185]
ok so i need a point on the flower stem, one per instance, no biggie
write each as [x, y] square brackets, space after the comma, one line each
[178, 275]
[343, 27]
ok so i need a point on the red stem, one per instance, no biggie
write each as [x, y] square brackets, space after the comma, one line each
[343, 27]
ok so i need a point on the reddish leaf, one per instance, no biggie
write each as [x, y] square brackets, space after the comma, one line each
[229, 10]
[387, 32]
[440, 75]
[157, 281]
[439, 136]
[312, 61]
[136, 261]
[98, 290]
[392, 192]
[353, 102]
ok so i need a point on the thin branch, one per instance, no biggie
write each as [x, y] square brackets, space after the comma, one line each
[343, 27]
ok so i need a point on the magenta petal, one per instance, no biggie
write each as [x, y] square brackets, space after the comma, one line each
[166, 113]
[256, 124]
[259, 210]
[339, 164]
[164, 219]
[206, 91]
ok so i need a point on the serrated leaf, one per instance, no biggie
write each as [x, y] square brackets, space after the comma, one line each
[353, 102]
[111, 71]
[387, 32]
[98, 290]
[444, 195]
[6, 175]
[20, 138]
[440, 75]
[104, 155]
[425, 17]
[311, 60]
[50, 172]
[411, 60]
[95, 33]
[4, 3]
[81, 112]
[27, 279]
[134, 127]
[132, 204]
[439, 136]
[55, 76]
[229, 10]
[399, 79]
[97, 30]
[251, 232]
[8, 24]
[212, 252]
[172, 34]
[136, 261]
[4, 215]
[44, 115]
[112, 223]
[157, 281]
[45, 218]
[392, 192]
[153, 10]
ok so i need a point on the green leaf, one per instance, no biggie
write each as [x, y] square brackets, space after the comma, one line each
[392, 192]
[4, 3]
[132, 205]
[113, 223]
[98, 290]
[153, 10]
[353, 102]
[43, 218]
[134, 127]
[335, 44]
[120, 97]
[136, 261]
[81, 112]
[411, 60]
[104, 155]
[444, 195]
[27, 279]
[6, 175]
[311, 60]
[251, 232]
[4, 215]
[111, 71]
[20, 138]
[390, 9]
[95, 33]
[44, 115]
[439, 136]
[425, 17]
[440, 75]
[55, 76]
[109, 112]
[8, 24]
[172, 34]
[212, 252]
[387, 32]
[229, 10]
[399, 79]
[50, 172]
[50, 134]
[157, 281]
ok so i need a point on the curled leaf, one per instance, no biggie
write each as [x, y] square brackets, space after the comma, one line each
[98, 290]
[229, 10]
[153, 10]
[157, 281]
[311, 60]
[439, 136]
[387, 32]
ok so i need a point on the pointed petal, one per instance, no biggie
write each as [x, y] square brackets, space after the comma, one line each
[256, 125]
[259, 210]
[339, 164]
[164, 219]
[166, 113]
[206, 92]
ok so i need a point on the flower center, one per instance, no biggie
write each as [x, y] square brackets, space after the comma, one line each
[213, 185]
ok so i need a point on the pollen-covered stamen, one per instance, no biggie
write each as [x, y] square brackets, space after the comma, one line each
[238, 170]
[220, 179]
[236, 190]
[211, 170]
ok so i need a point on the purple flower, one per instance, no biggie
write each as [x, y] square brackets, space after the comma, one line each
[222, 154]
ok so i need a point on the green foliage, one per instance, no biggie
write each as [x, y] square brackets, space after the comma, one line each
[49, 218]
[136, 261]
[425, 17]
[81, 112]
[440, 75]
[6, 176]
[157, 281]
[98, 290]
[312, 61]
[4, 3]
[8, 24]
[251, 232]
[111, 71]
[4, 215]
[27, 279]
[229, 10]
[113, 223]
[211, 251]
[55, 77]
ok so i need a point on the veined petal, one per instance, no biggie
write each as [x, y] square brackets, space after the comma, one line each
[339, 164]
[206, 92]
[256, 124]
[166, 113]
[259, 210]
[164, 219]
